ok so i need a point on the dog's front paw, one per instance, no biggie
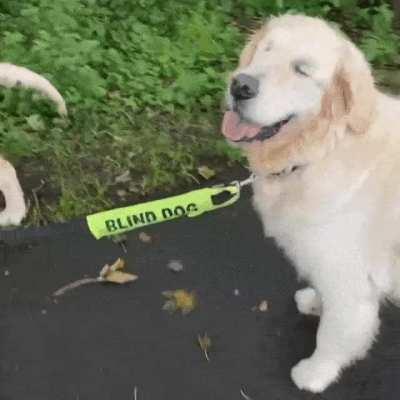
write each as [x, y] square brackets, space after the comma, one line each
[315, 375]
[308, 301]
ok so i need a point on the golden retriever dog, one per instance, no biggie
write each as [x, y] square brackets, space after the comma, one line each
[324, 145]
[10, 76]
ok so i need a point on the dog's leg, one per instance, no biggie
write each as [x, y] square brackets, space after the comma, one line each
[308, 301]
[349, 323]
[15, 209]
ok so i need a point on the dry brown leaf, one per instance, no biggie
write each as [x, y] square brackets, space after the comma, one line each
[113, 273]
[169, 306]
[244, 395]
[120, 277]
[104, 271]
[262, 307]
[205, 344]
[175, 266]
[118, 265]
[107, 269]
[144, 237]
[206, 172]
[180, 300]
[109, 273]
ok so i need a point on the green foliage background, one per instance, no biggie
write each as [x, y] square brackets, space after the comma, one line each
[143, 81]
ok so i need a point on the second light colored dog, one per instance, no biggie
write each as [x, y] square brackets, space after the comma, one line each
[11, 76]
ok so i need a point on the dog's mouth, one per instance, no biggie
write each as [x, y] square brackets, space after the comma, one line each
[238, 130]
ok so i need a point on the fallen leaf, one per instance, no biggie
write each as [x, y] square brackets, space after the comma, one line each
[107, 269]
[175, 266]
[206, 172]
[109, 273]
[244, 395]
[170, 306]
[205, 344]
[264, 306]
[144, 237]
[180, 300]
[120, 277]
[118, 265]
[112, 273]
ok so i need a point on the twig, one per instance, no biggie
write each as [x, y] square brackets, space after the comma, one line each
[205, 344]
[37, 189]
[128, 117]
[36, 201]
[75, 284]
[123, 246]
[244, 395]
[121, 241]
[109, 273]
[192, 177]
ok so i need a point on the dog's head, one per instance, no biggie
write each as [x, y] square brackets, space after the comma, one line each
[299, 86]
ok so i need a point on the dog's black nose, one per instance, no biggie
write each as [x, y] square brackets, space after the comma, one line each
[244, 87]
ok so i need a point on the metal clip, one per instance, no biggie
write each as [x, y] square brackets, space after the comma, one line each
[247, 181]
[237, 183]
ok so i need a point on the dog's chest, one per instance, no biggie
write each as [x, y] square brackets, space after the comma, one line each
[306, 226]
[293, 205]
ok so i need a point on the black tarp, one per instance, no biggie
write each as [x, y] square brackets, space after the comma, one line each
[101, 341]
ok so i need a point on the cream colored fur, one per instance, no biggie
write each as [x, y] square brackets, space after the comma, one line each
[10, 76]
[337, 217]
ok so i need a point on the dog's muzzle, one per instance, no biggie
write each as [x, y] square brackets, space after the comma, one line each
[238, 130]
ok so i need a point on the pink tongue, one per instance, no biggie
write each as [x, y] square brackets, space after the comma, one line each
[235, 130]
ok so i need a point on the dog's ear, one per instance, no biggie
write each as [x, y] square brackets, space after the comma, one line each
[357, 88]
[248, 52]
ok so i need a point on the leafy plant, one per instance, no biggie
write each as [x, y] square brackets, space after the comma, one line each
[143, 80]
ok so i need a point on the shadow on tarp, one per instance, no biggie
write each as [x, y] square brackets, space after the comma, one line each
[101, 341]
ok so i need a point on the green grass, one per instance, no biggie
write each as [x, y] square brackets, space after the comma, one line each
[143, 81]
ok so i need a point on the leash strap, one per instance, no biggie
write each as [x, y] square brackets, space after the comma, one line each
[191, 204]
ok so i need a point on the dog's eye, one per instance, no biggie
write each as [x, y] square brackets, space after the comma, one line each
[301, 68]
